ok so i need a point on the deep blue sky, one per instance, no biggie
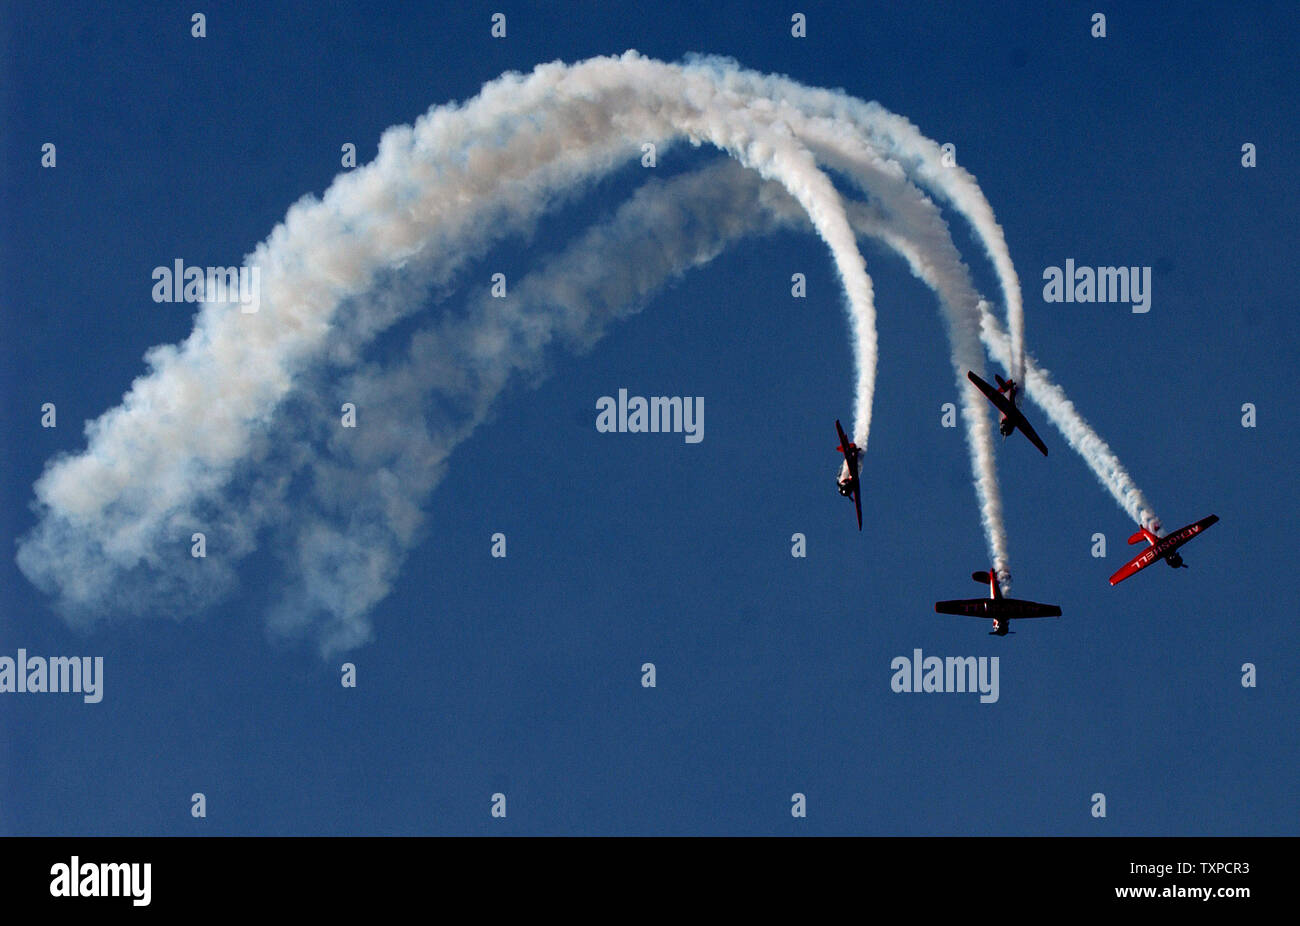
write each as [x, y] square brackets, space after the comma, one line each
[522, 675]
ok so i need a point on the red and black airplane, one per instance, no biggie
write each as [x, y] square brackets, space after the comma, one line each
[1002, 610]
[1165, 548]
[1008, 406]
[847, 481]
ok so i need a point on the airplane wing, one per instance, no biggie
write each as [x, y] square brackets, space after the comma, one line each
[857, 503]
[1185, 534]
[1136, 564]
[1030, 433]
[980, 607]
[972, 607]
[1034, 609]
[844, 440]
[1002, 402]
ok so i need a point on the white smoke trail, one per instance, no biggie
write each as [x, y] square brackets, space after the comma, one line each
[929, 251]
[437, 193]
[930, 254]
[917, 232]
[922, 158]
[1087, 442]
[840, 147]
[912, 227]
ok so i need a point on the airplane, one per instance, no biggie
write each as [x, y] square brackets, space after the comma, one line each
[1008, 406]
[1160, 548]
[1002, 610]
[847, 481]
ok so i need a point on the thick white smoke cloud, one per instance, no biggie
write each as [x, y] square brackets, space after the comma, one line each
[234, 430]
[365, 510]
[438, 193]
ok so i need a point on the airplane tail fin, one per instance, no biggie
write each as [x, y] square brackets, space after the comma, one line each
[1002, 383]
[989, 579]
[1141, 535]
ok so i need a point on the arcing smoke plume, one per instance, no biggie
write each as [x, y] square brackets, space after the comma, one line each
[216, 434]
[922, 159]
[438, 193]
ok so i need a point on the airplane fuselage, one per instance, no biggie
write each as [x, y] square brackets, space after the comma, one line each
[1006, 399]
[847, 481]
[1166, 548]
[1006, 422]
